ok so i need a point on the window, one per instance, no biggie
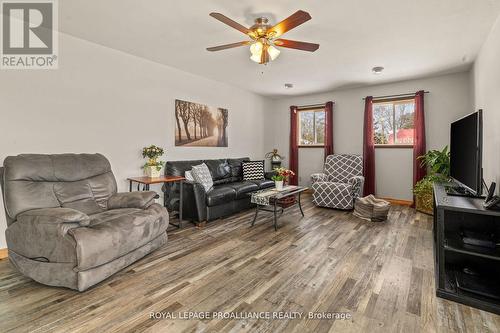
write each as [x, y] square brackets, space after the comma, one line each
[311, 127]
[393, 122]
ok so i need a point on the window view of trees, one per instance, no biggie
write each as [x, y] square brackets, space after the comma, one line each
[311, 127]
[393, 122]
[306, 125]
[320, 127]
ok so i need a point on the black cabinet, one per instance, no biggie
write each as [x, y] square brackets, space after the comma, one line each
[466, 272]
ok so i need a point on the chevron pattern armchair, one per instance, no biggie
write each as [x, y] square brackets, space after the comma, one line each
[340, 183]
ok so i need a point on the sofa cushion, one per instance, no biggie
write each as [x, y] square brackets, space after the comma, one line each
[178, 168]
[263, 183]
[219, 169]
[29, 180]
[77, 195]
[115, 233]
[242, 188]
[87, 206]
[108, 215]
[236, 168]
[220, 194]
[224, 181]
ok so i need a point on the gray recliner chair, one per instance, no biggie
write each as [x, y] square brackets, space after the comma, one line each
[340, 183]
[68, 226]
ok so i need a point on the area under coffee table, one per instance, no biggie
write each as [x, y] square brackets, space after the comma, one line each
[277, 201]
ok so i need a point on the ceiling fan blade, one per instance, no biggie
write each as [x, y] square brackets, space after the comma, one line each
[231, 23]
[294, 44]
[228, 46]
[290, 22]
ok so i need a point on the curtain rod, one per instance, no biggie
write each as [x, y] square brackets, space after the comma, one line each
[393, 96]
[321, 105]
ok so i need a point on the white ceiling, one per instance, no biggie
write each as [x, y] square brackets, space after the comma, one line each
[409, 38]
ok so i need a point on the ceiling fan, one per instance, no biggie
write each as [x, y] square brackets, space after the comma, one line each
[264, 37]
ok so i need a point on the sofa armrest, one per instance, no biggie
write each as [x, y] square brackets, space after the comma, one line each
[140, 200]
[194, 193]
[46, 234]
[357, 183]
[54, 216]
[318, 177]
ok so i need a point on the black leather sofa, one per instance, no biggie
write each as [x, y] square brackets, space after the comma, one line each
[228, 196]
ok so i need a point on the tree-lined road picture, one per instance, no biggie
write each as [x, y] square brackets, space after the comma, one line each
[198, 125]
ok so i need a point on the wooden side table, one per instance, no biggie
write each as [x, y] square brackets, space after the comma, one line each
[147, 181]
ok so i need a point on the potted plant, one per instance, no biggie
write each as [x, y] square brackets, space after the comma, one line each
[152, 167]
[280, 176]
[438, 163]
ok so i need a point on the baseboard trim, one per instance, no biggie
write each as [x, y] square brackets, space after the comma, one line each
[398, 202]
[4, 253]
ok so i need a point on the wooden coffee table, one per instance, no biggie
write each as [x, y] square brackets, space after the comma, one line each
[277, 199]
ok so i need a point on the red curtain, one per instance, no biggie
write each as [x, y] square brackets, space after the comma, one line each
[419, 171]
[328, 129]
[368, 148]
[294, 146]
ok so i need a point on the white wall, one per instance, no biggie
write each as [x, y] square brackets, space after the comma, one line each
[103, 100]
[486, 87]
[449, 99]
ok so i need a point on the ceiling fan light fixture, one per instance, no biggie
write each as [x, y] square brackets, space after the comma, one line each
[256, 58]
[260, 46]
[273, 52]
[264, 36]
[256, 48]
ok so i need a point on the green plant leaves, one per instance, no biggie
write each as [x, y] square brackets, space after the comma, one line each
[438, 161]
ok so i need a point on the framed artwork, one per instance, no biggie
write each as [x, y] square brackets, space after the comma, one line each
[199, 125]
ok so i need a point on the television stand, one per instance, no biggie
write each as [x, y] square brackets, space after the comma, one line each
[466, 250]
[459, 191]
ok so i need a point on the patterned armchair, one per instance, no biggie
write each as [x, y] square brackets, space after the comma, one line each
[340, 183]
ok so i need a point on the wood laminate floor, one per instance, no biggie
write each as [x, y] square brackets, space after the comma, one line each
[329, 261]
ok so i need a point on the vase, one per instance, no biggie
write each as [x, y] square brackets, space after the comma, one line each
[152, 171]
[279, 185]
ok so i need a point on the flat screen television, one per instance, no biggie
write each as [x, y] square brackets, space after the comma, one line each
[466, 143]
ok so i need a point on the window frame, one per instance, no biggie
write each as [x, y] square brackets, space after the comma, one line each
[393, 101]
[313, 109]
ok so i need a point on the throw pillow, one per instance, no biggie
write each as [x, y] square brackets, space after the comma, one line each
[189, 176]
[253, 170]
[202, 175]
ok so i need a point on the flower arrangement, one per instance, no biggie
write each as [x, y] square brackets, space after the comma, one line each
[282, 174]
[152, 153]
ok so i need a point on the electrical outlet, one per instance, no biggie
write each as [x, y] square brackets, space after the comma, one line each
[300, 179]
